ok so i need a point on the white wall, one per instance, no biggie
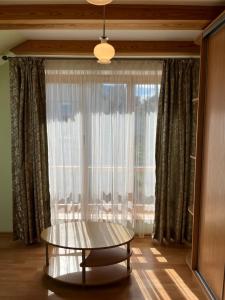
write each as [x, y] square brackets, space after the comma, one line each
[5, 152]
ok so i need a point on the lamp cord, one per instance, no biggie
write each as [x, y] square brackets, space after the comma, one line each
[104, 36]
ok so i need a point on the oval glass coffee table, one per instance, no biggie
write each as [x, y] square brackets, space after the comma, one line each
[95, 253]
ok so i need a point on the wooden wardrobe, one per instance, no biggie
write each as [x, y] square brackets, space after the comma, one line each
[208, 247]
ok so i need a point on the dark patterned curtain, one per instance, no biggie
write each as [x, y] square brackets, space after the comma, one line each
[174, 139]
[31, 200]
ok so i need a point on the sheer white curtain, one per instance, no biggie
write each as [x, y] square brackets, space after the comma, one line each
[101, 123]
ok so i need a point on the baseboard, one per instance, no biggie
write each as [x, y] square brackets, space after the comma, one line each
[6, 234]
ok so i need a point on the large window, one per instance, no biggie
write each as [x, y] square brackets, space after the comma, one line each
[101, 139]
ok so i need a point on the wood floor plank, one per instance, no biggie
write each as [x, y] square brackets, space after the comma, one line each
[159, 273]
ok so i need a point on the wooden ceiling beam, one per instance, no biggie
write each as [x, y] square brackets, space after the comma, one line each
[123, 48]
[111, 25]
[84, 16]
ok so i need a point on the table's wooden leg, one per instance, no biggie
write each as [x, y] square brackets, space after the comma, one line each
[83, 268]
[128, 259]
[46, 254]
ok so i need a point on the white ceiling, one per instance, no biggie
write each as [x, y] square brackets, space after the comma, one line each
[180, 2]
[137, 35]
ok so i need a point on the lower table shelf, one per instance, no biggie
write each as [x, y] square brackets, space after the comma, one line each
[105, 257]
[66, 268]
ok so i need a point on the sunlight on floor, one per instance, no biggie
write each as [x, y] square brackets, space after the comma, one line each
[141, 260]
[155, 251]
[136, 251]
[184, 289]
[162, 282]
[162, 259]
[153, 278]
[50, 293]
[144, 288]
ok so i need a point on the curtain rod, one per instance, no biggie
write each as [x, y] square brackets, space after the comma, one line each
[5, 57]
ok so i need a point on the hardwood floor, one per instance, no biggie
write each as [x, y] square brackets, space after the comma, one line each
[158, 273]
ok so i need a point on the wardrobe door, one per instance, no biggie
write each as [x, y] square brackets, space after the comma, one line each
[211, 246]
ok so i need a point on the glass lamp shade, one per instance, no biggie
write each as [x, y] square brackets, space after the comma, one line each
[99, 2]
[104, 52]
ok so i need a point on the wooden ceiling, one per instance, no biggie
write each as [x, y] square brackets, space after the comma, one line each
[119, 17]
[67, 16]
[164, 2]
[123, 48]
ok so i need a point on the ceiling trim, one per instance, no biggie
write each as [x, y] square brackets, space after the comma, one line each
[123, 48]
[84, 16]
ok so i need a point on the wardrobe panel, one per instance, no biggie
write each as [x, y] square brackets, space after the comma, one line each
[211, 249]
